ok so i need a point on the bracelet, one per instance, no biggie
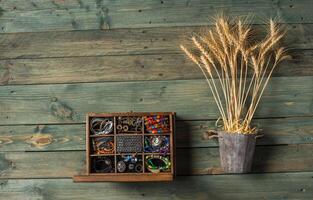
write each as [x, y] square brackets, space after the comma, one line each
[157, 124]
[138, 168]
[103, 145]
[103, 165]
[101, 126]
[157, 163]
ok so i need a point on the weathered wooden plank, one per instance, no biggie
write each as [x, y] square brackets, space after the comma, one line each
[46, 15]
[123, 68]
[188, 134]
[42, 137]
[222, 187]
[95, 69]
[266, 159]
[189, 161]
[119, 42]
[276, 132]
[68, 103]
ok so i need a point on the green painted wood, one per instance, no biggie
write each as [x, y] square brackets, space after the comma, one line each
[276, 132]
[222, 187]
[47, 15]
[138, 55]
[188, 134]
[42, 137]
[68, 103]
[266, 159]
[123, 68]
[194, 161]
[119, 42]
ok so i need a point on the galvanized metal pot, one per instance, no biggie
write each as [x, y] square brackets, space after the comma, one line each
[236, 151]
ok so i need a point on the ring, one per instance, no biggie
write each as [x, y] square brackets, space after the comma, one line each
[121, 166]
[119, 127]
[131, 166]
[138, 168]
[125, 128]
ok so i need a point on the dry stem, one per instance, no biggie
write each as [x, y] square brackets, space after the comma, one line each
[227, 52]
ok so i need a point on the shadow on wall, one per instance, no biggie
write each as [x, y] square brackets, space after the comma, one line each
[184, 158]
[262, 156]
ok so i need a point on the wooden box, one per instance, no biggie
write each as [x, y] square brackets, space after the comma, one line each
[126, 147]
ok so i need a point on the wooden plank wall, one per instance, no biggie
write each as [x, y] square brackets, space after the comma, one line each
[62, 58]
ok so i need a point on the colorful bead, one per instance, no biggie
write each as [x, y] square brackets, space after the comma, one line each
[157, 124]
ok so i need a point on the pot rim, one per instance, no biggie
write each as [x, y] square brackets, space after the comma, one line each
[229, 133]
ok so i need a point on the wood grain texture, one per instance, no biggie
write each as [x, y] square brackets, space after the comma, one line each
[42, 137]
[124, 68]
[223, 187]
[188, 134]
[52, 15]
[120, 42]
[194, 161]
[266, 159]
[276, 132]
[68, 103]
[124, 178]
[129, 50]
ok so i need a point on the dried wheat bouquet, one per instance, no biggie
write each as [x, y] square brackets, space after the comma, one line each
[237, 67]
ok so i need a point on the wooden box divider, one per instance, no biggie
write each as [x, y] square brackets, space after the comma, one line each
[114, 175]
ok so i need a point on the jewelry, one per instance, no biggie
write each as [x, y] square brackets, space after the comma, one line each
[130, 158]
[156, 141]
[125, 128]
[129, 124]
[157, 163]
[103, 165]
[138, 168]
[129, 143]
[129, 163]
[103, 145]
[157, 144]
[101, 126]
[119, 127]
[157, 124]
[131, 166]
[121, 166]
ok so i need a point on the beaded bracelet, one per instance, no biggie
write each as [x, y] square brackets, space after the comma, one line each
[157, 124]
[157, 163]
[103, 145]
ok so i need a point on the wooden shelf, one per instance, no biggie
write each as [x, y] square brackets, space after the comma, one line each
[102, 135]
[121, 177]
[156, 134]
[109, 154]
[114, 176]
[167, 154]
[137, 133]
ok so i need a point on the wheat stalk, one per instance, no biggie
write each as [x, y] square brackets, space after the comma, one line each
[227, 56]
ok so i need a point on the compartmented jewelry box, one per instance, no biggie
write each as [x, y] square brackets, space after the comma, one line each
[129, 147]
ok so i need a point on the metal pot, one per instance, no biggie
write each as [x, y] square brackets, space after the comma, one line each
[236, 151]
